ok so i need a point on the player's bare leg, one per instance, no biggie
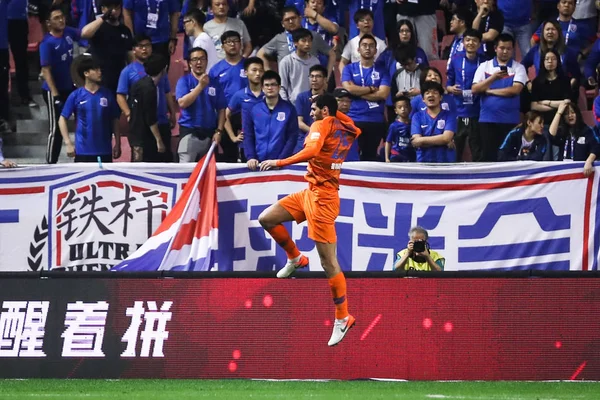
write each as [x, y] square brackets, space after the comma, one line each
[271, 220]
[337, 282]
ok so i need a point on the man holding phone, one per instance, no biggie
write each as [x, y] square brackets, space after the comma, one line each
[417, 255]
[499, 82]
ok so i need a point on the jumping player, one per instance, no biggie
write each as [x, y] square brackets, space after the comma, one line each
[325, 148]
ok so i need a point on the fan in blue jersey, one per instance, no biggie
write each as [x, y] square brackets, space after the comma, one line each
[242, 102]
[318, 85]
[56, 56]
[397, 143]
[461, 71]
[431, 74]
[97, 116]
[433, 129]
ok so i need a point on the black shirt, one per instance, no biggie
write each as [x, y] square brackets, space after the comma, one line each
[543, 89]
[143, 102]
[109, 47]
[576, 145]
[494, 21]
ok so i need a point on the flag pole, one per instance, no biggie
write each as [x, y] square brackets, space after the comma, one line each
[207, 157]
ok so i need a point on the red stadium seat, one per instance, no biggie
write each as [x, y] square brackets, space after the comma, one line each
[531, 73]
[446, 42]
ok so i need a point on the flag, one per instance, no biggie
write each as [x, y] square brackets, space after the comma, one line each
[186, 238]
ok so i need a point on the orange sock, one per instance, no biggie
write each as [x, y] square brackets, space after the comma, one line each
[282, 237]
[337, 284]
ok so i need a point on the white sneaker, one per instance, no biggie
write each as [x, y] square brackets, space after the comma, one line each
[292, 265]
[340, 328]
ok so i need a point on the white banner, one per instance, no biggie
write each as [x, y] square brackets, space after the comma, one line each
[522, 215]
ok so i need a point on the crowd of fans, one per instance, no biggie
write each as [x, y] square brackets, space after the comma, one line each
[381, 49]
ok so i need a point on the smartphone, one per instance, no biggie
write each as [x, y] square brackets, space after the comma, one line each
[503, 68]
[419, 246]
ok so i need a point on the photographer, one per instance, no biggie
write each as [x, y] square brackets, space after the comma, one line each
[417, 255]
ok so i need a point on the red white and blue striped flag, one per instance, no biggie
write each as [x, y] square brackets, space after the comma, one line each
[186, 238]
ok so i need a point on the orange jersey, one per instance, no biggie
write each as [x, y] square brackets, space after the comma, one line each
[325, 149]
[334, 137]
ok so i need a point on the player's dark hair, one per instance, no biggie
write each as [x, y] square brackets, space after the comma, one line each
[464, 15]
[194, 50]
[504, 37]
[431, 85]
[141, 37]
[318, 68]
[289, 9]
[402, 98]
[405, 53]
[85, 65]
[362, 13]
[155, 64]
[301, 33]
[111, 3]
[329, 101]
[474, 33]
[425, 72]
[54, 7]
[253, 60]
[270, 75]
[367, 36]
[229, 34]
[197, 15]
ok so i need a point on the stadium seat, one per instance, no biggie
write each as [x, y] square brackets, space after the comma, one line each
[442, 65]
[441, 21]
[531, 73]
[446, 42]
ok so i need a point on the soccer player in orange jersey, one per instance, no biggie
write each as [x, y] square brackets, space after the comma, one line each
[325, 148]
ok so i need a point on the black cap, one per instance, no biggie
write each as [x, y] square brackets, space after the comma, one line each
[341, 92]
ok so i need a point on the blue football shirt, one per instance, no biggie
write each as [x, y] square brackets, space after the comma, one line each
[95, 114]
[203, 113]
[57, 53]
[423, 124]
[362, 110]
[231, 77]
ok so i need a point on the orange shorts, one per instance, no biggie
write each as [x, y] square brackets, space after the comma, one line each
[320, 211]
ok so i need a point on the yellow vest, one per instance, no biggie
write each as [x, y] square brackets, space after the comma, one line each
[413, 265]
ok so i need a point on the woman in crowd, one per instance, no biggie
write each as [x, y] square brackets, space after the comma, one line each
[550, 87]
[432, 74]
[572, 138]
[527, 141]
[553, 39]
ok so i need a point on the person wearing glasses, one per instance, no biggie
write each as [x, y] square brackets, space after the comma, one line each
[56, 56]
[283, 44]
[230, 73]
[202, 104]
[364, 21]
[223, 23]
[166, 111]
[193, 24]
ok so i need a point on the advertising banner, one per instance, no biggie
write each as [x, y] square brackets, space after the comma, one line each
[522, 215]
[416, 329]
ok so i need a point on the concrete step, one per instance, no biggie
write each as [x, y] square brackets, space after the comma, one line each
[33, 154]
[28, 139]
[63, 159]
[23, 112]
[39, 125]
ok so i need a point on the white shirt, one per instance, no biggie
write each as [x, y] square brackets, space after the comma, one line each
[351, 49]
[204, 41]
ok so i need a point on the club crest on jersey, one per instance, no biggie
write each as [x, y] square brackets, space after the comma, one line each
[243, 74]
[212, 91]
[69, 40]
[441, 124]
[445, 106]
[572, 28]
[375, 75]
[280, 116]
[103, 102]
